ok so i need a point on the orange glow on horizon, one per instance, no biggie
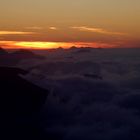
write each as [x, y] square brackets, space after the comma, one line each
[50, 24]
[37, 45]
[51, 45]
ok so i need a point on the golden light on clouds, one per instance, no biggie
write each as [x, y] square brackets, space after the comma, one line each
[15, 33]
[51, 45]
[34, 28]
[52, 28]
[97, 30]
[37, 45]
[56, 21]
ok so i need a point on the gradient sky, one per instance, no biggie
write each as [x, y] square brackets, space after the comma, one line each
[54, 23]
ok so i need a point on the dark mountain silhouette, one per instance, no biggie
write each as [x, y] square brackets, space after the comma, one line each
[73, 48]
[2, 51]
[20, 104]
[11, 59]
[25, 54]
[83, 50]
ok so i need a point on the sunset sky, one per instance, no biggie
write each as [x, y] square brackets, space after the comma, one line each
[64, 23]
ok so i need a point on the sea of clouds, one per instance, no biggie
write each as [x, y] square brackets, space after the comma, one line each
[94, 93]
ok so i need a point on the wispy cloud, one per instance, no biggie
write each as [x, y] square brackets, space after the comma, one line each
[53, 28]
[15, 33]
[97, 30]
[34, 28]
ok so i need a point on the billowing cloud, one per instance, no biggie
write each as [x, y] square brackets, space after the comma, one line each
[15, 33]
[97, 30]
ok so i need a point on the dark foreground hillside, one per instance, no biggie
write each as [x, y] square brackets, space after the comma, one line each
[20, 104]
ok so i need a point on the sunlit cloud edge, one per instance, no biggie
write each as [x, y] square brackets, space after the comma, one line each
[97, 30]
